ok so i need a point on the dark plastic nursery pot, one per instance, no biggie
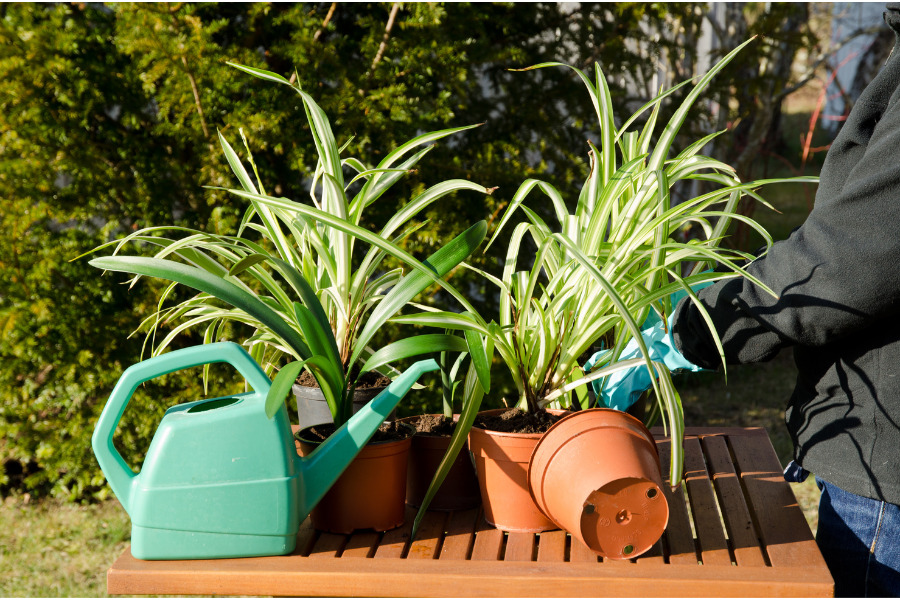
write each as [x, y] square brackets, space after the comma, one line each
[459, 491]
[312, 409]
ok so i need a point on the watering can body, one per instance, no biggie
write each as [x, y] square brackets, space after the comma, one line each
[220, 479]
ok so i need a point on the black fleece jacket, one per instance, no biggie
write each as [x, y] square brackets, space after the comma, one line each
[837, 280]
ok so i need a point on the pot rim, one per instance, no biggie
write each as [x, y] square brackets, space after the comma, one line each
[315, 387]
[314, 393]
[407, 426]
[598, 409]
[619, 413]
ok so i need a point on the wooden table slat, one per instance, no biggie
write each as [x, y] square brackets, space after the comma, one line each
[362, 544]
[782, 528]
[738, 524]
[734, 504]
[328, 545]
[429, 536]
[394, 542]
[710, 537]
[519, 546]
[460, 534]
[306, 537]
[579, 553]
[679, 537]
[295, 576]
[552, 546]
[488, 543]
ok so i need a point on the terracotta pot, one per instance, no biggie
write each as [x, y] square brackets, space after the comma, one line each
[460, 488]
[501, 463]
[370, 493]
[596, 474]
[312, 409]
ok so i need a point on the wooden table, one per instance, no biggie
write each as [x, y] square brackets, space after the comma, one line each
[734, 530]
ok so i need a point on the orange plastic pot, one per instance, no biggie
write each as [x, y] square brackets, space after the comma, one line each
[596, 474]
[370, 493]
[459, 491]
[501, 463]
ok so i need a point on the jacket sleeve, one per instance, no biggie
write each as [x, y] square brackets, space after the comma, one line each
[838, 273]
[744, 338]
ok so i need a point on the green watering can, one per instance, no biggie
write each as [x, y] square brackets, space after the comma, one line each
[220, 480]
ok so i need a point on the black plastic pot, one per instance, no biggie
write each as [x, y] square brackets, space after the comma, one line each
[312, 408]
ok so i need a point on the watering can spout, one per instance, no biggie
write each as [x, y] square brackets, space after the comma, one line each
[325, 464]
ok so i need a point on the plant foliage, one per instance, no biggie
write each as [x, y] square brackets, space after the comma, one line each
[109, 124]
[597, 276]
[332, 305]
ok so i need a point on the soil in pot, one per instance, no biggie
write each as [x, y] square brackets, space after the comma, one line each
[459, 491]
[515, 420]
[433, 425]
[368, 380]
[501, 462]
[371, 492]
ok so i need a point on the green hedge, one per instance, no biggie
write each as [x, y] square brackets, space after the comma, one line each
[108, 117]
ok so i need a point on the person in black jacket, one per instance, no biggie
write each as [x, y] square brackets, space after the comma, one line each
[837, 280]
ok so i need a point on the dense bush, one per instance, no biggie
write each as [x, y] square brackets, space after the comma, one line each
[108, 119]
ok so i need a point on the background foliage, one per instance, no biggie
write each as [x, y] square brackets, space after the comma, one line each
[108, 118]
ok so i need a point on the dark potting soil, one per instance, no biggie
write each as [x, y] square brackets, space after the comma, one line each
[516, 420]
[366, 382]
[391, 431]
[436, 425]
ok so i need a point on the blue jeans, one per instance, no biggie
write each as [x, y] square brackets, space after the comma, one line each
[860, 540]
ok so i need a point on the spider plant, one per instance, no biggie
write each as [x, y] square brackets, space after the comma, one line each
[289, 272]
[450, 371]
[600, 272]
[475, 385]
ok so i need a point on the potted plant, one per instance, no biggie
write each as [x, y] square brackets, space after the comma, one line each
[598, 276]
[289, 272]
[459, 488]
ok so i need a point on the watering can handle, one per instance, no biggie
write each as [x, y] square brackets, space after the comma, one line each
[119, 475]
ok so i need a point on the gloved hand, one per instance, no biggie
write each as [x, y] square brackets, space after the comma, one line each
[623, 388]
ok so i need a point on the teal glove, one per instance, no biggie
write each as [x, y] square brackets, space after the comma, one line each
[623, 388]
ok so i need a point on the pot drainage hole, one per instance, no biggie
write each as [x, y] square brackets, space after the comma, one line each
[623, 516]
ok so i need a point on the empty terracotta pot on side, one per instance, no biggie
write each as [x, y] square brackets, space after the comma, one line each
[596, 474]
[459, 491]
[501, 463]
[370, 493]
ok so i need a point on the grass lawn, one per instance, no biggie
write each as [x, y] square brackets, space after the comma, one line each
[53, 549]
